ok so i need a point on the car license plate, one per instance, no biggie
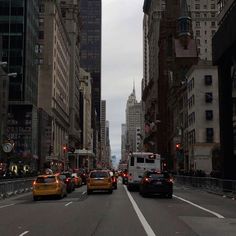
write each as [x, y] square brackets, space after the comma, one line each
[158, 183]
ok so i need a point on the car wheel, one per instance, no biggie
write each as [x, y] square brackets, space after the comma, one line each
[35, 198]
[110, 191]
[129, 187]
[169, 195]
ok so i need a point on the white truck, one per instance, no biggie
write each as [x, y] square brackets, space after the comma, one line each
[138, 163]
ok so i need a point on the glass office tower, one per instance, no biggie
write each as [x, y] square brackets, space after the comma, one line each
[90, 53]
[19, 34]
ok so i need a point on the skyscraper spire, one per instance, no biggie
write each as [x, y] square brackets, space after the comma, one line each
[133, 87]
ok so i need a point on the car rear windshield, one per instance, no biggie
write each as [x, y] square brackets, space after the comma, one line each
[99, 174]
[48, 179]
[158, 175]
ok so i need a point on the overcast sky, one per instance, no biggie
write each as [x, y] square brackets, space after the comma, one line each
[121, 61]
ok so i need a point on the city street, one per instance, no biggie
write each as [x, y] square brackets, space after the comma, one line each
[191, 212]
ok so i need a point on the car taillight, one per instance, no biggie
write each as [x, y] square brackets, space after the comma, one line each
[67, 180]
[125, 175]
[146, 180]
[34, 183]
[57, 181]
[113, 180]
[170, 180]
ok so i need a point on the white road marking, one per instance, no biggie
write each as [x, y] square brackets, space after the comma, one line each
[142, 219]
[24, 233]
[67, 204]
[7, 205]
[84, 192]
[202, 208]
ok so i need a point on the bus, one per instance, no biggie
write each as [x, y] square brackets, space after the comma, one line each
[138, 163]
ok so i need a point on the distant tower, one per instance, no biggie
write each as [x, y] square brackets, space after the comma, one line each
[184, 24]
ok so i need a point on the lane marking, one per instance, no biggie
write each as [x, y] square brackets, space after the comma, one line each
[142, 219]
[67, 204]
[7, 205]
[24, 233]
[202, 208]
[84, 192]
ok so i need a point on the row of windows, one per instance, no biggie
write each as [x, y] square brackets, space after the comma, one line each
[205, 15]
[198, 24]
[208, 117]
[198, 33]
[198, 6]
[207, 81]
[209, 136]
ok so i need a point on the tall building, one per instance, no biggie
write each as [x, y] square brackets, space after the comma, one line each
[103, 131]
[70, 15]
[19, 34]
[87, 156]
[224, 56]
[108, 146]
[123, 142]
[202, 134]
[54, 80]
[204, 25]
[153, 11]
[133, 122]
[90, 55]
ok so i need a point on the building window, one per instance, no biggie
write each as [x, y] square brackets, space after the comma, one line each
[198, 42]
[198, 33]
[208, 97]
[197, 24]
[208, 79]
[213, 24]
[197, 6]
[209, 115]
[197, 14]
[191, 137]
[213, 6]
[209, 135]
[41, 34]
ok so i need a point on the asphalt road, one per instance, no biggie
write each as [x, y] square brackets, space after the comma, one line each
[190, 213]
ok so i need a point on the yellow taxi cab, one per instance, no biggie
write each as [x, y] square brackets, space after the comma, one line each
[49, 184]
[99, 180]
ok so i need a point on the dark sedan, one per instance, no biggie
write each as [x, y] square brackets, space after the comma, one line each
[154, 182]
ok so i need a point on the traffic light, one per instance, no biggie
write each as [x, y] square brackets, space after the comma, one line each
[177, 146]
[50, 150]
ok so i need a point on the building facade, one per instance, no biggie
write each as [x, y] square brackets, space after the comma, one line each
[224, 56]
[54, 78]
[203, 135]
[19, 33]
[133, 122]
[204, 25]
[70, 15]
[87, 156]
[90, 57]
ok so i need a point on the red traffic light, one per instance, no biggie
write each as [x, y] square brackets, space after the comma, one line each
[177, 146]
